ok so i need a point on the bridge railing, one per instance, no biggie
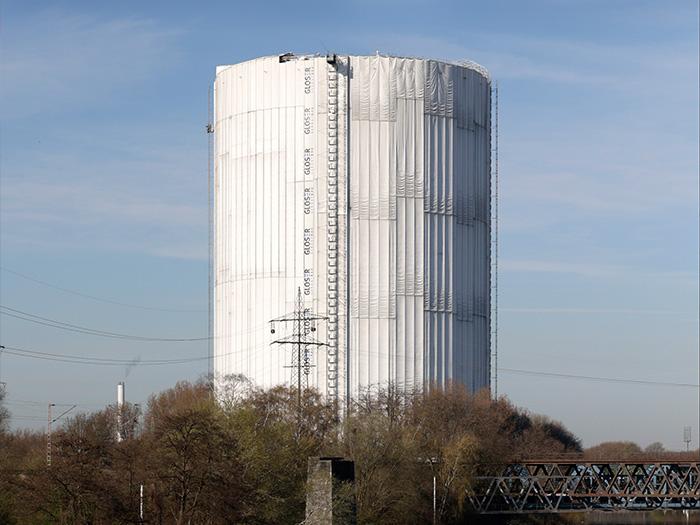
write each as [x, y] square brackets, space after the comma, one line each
[582, 485]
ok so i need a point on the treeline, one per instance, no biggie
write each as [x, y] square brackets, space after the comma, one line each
[629, 450]
[244, 459]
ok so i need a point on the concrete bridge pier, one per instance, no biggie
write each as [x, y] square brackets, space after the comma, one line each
[330, 492]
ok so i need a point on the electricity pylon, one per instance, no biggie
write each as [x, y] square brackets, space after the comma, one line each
[303, 325]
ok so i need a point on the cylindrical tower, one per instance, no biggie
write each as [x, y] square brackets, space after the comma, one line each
[364, 182]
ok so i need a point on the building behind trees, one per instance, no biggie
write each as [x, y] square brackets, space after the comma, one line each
[362, 182]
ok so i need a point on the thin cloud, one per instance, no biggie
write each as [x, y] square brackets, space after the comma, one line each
[74, 60]
[87, 204]
[595, 311]
[594, 270]
[56, 215]
[621, 190]
[576, 62]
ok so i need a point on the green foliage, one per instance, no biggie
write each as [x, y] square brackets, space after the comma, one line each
[400, 441]
[242, 457]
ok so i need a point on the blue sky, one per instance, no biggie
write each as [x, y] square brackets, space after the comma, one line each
[104, 161]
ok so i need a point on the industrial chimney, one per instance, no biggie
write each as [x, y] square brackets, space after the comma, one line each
[120, 409]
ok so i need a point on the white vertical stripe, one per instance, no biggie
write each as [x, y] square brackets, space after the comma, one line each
[419, 198]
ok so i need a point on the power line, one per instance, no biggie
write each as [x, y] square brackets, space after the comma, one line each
[597, 378]
[53, 323]
[89, 360]
[29, 405]
[101, 361]
[94, 297]
[42, 404]
[27, 418]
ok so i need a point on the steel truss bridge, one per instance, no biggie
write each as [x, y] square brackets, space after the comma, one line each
[582, 485]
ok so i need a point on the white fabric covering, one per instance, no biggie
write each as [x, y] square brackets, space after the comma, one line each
[413, 136]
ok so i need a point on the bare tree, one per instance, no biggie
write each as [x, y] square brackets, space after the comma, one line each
[655, 449]
[242, 458]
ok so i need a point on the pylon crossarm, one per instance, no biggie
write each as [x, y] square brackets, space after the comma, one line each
[294, 340]
[295, 317]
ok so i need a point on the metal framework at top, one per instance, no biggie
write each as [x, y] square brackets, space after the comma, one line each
[576, 486]
[571, 486]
